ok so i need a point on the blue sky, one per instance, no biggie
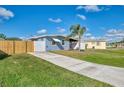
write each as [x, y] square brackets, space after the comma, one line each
[24, 21]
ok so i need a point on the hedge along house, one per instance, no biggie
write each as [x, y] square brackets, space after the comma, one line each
[52, 42]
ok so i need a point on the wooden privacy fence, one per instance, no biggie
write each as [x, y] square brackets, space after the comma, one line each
[14, 47]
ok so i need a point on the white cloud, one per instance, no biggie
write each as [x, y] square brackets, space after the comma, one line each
[42, 31]
[23, 38]
[6, 14]
[115, 34]
[112, 31]
[88, 34]
[79, 7]
[92, 37]
[111, 35]
[122, 24]
[61, 30]
[81, 16]
[87, 29]
[58, 20]
[90, 8]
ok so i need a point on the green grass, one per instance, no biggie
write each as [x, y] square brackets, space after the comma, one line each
[106, 57]
[26, 70]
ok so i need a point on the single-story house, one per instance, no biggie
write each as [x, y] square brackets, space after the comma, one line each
[53, 42]
[119, 44]
[61, 42]
[95, 44]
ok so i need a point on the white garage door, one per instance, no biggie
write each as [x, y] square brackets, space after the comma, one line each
[39, 46]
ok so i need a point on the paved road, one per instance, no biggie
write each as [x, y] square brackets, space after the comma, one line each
[108, 74]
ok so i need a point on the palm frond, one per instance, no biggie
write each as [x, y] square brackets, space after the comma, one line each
[77, 30]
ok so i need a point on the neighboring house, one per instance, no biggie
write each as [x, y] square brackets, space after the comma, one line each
[120, 45]
[95, 44]
[110, 45]
[52, 42]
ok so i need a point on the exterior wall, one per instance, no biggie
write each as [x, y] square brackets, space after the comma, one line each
[40, 46]
[82, 46]
[90, 45]
[58, 46]
[120, 45]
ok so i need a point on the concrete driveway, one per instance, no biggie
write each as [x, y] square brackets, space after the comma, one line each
[108, 74]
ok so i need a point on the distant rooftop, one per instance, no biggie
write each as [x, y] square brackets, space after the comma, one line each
[95, 40]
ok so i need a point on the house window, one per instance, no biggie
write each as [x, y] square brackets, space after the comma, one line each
[53, 42]
[98, 43]
[63, 42]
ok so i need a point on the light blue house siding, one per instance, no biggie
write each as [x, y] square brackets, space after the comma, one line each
[43, 44]
[57, 46]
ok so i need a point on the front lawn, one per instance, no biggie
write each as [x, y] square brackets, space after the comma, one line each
[106, 57]
[26, 70]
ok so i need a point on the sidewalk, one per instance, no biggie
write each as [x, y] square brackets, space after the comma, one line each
[108, 74]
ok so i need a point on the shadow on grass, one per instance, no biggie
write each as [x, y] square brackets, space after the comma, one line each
[3, 55]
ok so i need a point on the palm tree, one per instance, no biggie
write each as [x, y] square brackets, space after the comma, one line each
[2, 36]
[77, 30]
